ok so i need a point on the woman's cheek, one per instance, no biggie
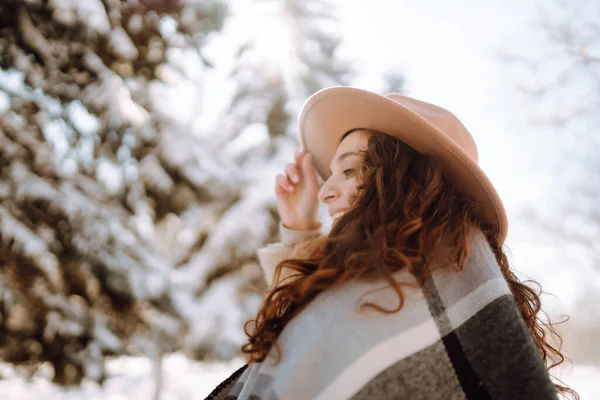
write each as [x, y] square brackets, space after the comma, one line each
[351, 186]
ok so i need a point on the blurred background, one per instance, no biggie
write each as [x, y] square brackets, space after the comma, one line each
[140, 139]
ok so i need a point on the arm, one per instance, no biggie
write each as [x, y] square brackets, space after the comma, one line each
[272, 254]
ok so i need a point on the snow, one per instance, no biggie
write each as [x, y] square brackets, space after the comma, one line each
[109, 174]
[154, 175]
[199, 165]
[80, 117]
[168, 27]
[12, 81]
[27, 242]
[104, 335]
[121, 44]
[57, 133]
[56, 324]
[228, 240]
[215, 318]
[184, 379]
[178, 95]
[90, 13]
[4, 102]
[52, 106]
[137, 271]
[186, 61]
[111, 95]
[251, 135]
[12, 229]
[136, 24]
[129, 378]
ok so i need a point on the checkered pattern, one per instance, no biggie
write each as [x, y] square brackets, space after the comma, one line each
[459, 335]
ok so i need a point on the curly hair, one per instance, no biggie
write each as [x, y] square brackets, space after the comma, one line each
[403, 209]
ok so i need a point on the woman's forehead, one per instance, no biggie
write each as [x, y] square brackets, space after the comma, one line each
[350, 147]
[357, 140]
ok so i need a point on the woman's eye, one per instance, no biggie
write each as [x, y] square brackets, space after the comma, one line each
[348, 172]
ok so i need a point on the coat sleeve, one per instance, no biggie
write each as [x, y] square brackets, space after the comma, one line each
[272, 254]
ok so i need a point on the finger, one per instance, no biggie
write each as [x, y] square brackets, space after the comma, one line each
[281, 187]
[310, 171]
[280, 191]
[298, 155]
[282, 183]
[292, 172]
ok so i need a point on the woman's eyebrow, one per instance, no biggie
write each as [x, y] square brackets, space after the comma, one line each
[344, 155]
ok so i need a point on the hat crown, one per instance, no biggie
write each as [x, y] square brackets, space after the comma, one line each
[429, 129]
[446, 122]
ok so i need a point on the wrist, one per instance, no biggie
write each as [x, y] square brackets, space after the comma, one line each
[296, 233]
[309, 226]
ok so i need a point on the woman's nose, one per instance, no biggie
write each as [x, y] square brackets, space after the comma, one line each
[328, 192]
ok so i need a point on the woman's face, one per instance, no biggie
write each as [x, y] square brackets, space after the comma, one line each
[338, 190]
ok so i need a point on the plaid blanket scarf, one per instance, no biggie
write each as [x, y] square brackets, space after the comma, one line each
[459, 335]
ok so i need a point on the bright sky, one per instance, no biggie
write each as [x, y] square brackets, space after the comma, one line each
[449, 55]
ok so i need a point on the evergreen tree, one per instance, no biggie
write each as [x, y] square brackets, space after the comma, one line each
[92, 174]
[258, 133]
[123, 229]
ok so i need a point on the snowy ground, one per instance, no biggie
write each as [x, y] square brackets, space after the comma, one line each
[131, 378]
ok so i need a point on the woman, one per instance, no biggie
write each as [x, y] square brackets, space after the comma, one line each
[410, 295]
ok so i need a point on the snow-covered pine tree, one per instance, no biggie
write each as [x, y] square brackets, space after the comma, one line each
[274, 79]
[258, 132]
[93, 176]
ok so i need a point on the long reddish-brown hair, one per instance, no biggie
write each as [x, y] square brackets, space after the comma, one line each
[403, 209]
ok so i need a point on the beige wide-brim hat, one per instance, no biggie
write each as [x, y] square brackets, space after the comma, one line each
[328, 114]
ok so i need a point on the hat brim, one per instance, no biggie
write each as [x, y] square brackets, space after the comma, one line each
[328, 114]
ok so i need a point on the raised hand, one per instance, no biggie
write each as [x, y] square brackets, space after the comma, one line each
[296, 191]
